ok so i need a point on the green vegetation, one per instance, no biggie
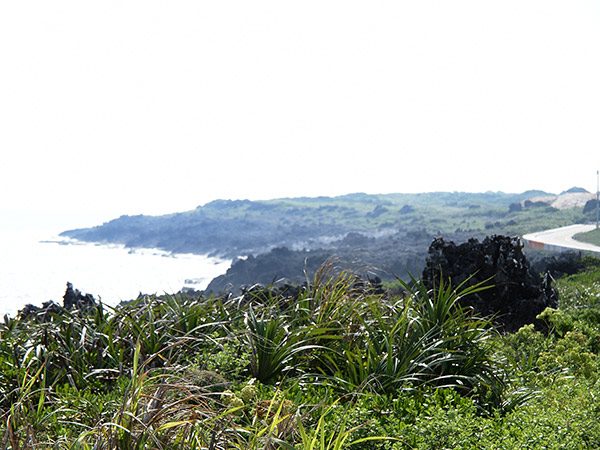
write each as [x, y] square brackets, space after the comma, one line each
[238, 228]
[337, 367]
[591, 237]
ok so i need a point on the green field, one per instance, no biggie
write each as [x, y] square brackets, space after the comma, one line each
[591, 237]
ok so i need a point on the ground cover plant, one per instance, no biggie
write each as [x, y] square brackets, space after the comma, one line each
[331, 365]
[592, 237]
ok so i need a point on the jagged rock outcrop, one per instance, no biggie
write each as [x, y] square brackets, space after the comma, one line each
[73, 299]
[266, 269]
[285, 291]
[558, 264]
[518, 294]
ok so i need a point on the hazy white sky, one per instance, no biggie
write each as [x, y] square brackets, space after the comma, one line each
[125, 107]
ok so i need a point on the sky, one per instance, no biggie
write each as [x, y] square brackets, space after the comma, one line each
[150, 107]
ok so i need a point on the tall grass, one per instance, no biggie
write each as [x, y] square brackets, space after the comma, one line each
[135, 376]
[425, 338]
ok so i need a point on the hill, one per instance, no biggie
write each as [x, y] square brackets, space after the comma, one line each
[391, 232]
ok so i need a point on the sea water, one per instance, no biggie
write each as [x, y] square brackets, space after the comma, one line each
[35, 266]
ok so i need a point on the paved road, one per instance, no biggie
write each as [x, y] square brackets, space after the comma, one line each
[561, 239]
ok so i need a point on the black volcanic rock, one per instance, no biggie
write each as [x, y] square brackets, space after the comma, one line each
[73, 299]
[267, 268]
[517, 296]
[43, 313]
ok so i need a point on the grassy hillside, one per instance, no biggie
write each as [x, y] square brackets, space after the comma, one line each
[592, 237]
[237, 228]
[389, 232]
[332, 367]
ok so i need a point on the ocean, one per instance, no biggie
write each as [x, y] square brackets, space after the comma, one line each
[35, 266]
